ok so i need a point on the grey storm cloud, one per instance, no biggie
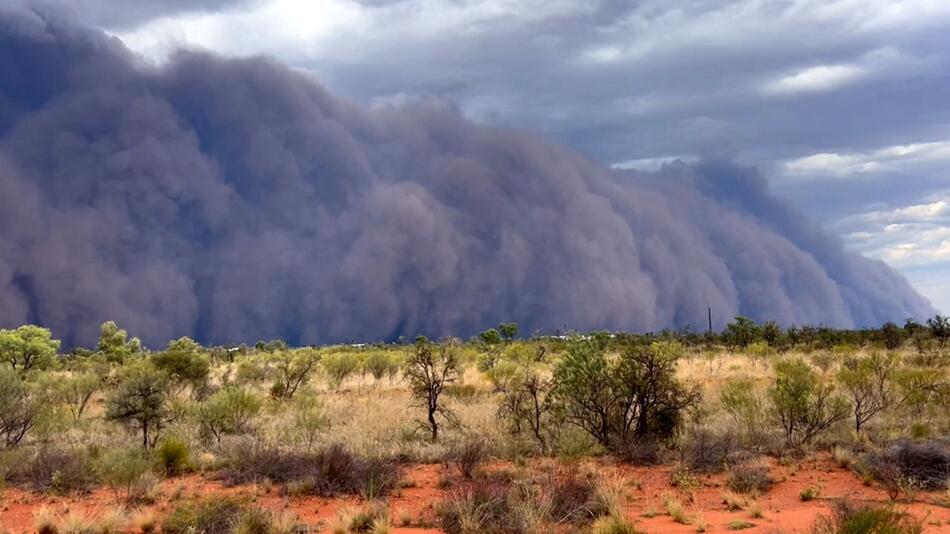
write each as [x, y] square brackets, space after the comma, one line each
[237, 199]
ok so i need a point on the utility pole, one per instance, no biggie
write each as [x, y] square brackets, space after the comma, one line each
[709, 314]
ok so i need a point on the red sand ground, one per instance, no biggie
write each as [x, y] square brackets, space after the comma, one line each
[782, 507]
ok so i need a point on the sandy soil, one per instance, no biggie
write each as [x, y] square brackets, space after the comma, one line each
[783, 510]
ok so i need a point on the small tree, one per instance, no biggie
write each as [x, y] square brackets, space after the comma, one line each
[309, 418]
[18, 407]
[742, 331]
[527, 403]
[804, 405]
[744, 404]
[891, 336]
[28, 347]
[867, 382]
[939, 326]
[114, 343]
[140, 400]
[229, 411]
[75, 390]
[508, 331]
[292, 370]
[428, 369]
[772, 333]
[185, 364]
[584, 389]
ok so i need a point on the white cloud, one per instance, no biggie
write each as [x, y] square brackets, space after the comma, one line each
[886, 158]
[814, 79]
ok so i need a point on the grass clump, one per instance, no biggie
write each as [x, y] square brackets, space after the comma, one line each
[613, 525]
[172, 456]
[213, 515]
[468, 456]
[849, 518]
[674, 507]
[808, 494]
[739, 524]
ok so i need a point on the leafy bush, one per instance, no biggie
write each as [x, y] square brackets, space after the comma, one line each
[848, 518]
[381, 364]
[173, 455]
[743, 403]
[803, 403]
[228, 411]
[185, 364]
[868, 384]
[616, 400]
[340, 366]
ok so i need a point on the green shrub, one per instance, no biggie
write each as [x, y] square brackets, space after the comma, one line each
[292, 369]
[804, 404]
[172, 455]
[122, 470]
[19, 408]
[185, 363]
[616, 400]
[339, 367]
[229, 411]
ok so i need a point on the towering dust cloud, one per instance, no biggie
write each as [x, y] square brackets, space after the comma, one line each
[236, 200]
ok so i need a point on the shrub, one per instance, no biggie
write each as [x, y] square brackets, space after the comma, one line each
[380, 364]
[185, 364]
[140, 400]
[18, 407]
[213, 515]
[743, 403]
[428, 370]
[804, 404]
[907, 464]
[617, 400]
[468, 456]
[706, 451]
[58, 470]
[122, 470]
[228, 411]
[868, 384]
[750, 478]
[848, 518]
[172, 455]
[340, 366]
[328, 472]
[576, 500]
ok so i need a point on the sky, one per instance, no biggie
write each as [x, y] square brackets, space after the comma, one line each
[843, 105]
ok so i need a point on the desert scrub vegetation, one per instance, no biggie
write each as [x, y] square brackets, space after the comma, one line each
[345, 419]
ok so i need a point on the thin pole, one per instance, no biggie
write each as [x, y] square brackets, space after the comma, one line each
[709, 313]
